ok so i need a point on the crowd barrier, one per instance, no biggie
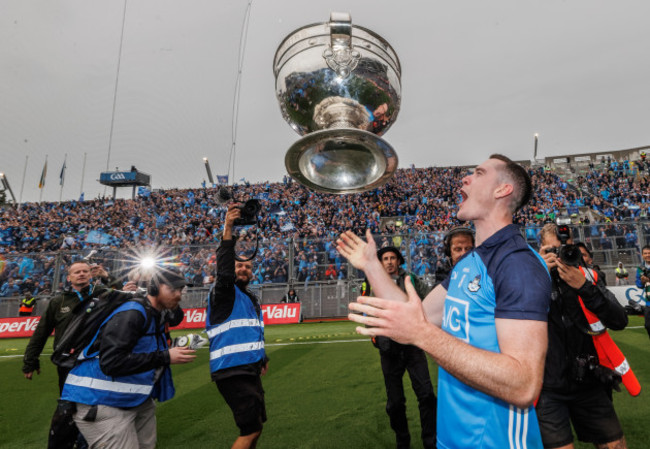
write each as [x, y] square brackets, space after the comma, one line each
[323, 279]
[323, 301]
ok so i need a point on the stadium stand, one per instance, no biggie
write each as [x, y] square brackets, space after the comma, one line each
[603, 196]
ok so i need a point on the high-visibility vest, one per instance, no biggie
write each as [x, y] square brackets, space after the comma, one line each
[27, 305]
[88, 384]
[239, 340]
[609, 355]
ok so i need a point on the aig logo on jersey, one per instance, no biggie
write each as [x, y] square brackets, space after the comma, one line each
[475, 285]
[456, 318]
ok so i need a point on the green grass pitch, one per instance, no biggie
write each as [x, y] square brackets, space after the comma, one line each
[324, 390]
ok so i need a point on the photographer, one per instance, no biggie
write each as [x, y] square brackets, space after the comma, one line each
[588, 259]
[576, 388]
[396, 359]
[236, 332]
[643, 282]
[458, 241]
[125, 367]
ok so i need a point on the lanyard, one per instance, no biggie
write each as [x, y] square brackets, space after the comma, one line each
[90, 292]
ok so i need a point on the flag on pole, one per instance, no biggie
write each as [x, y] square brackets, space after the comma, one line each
[41, 183]
[62, 174]
[222, 179]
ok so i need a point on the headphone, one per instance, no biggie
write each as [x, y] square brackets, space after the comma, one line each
[455, 231]
[152, 288]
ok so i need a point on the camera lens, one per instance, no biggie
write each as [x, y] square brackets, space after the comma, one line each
[249, 212]
[571, 255]
[251, 208]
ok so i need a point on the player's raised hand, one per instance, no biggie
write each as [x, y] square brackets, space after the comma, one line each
[357, 251]
[401, 321]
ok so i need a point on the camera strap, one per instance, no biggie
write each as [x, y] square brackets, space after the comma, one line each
[257, 244]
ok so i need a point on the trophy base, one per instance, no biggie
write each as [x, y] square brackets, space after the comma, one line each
[341, 161]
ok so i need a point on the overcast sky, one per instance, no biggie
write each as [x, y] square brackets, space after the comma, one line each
[477, 77]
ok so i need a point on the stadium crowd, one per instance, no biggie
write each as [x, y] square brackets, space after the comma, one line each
[418, 202]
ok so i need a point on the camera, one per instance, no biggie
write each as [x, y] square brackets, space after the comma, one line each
[646, 273]
[568, 254]
[587, 367]
[249, 211]
[191, 341]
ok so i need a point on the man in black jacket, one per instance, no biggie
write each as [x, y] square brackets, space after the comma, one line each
[56, 317]
[577, 390]
[397, 358]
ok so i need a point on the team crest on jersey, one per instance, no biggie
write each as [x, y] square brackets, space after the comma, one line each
[65, 309]
[475, 285]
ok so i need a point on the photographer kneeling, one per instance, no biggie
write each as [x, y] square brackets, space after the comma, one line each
[577, 389]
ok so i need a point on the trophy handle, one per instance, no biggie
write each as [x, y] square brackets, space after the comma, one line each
[340, 29]
[340, 56]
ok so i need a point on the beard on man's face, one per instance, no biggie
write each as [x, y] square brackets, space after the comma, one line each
[242, 282]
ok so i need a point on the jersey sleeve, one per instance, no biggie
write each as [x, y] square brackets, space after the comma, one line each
[522, 287]
[445, 282]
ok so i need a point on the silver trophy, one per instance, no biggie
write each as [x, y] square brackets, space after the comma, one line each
[338, 85]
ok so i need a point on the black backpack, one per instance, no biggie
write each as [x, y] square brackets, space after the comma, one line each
[87, 318]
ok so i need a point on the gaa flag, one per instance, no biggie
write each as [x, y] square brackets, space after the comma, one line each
[41, 183]
[144, 192]
[222, 179]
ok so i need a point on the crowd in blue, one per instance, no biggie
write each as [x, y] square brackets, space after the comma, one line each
[298, 227]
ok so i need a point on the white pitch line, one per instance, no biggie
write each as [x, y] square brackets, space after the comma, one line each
[315, 342]
[266, 345]
[356, 340]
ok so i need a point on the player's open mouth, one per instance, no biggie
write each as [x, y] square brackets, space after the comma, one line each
[463, 195]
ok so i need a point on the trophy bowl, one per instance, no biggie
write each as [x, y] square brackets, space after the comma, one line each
[338, 85]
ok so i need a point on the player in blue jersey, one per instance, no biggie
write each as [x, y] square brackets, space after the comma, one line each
[485, 326]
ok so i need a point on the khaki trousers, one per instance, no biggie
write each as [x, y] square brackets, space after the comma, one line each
[116, 428]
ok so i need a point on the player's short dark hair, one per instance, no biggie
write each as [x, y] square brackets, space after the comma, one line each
[523, 186]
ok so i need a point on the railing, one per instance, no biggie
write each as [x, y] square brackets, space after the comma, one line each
[321, 276]
[323, 299]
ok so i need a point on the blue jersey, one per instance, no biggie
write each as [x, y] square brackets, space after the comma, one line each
[502, 278]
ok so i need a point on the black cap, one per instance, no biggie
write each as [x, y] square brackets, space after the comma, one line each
[171, 278]
[391, 249]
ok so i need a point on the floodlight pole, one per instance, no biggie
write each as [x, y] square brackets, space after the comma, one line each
[535, 150]
[5, 184]
[207, 169]
[22, 184]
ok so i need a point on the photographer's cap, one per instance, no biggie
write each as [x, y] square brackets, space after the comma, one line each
[171, 278]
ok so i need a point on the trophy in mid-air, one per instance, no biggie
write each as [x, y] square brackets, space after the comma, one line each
[339, 87]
